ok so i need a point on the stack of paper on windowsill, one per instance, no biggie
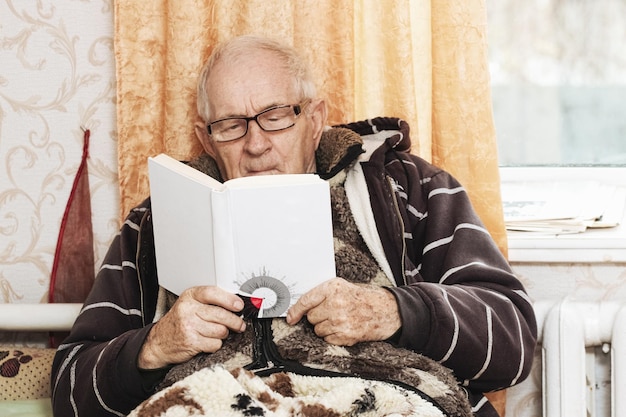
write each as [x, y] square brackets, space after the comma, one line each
[560, 207]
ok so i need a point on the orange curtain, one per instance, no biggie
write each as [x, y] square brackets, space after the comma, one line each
[422, 60]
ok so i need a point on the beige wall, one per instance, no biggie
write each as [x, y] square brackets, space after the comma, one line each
[56, 75]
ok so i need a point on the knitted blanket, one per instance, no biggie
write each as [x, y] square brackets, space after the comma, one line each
[218, 392]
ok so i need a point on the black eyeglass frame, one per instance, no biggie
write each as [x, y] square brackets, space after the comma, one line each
[297, 110]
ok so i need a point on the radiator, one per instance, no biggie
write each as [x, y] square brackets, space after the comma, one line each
[567, 328]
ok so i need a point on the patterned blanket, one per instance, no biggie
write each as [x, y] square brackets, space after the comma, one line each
[218, 392]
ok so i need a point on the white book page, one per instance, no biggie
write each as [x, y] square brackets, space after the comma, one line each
[182, 220]
[282, 238]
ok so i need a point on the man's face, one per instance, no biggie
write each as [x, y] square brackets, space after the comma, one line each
[256, 83]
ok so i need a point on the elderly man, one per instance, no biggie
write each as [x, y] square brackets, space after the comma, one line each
[418, 274]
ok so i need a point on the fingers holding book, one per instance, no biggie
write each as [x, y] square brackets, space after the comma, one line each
[199, 321]
[344, 313]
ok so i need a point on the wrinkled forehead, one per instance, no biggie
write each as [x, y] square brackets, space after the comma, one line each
[254, 80]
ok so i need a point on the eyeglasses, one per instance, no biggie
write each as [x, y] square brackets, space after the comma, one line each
[270, 120]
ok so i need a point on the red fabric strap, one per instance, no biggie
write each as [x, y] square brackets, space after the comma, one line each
[73, 267]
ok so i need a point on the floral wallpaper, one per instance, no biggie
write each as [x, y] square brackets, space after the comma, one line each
[57, 74]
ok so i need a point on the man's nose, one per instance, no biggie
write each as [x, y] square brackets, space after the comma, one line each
[257, 140]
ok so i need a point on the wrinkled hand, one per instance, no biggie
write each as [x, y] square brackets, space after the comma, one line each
[345, 314]
[199, 321]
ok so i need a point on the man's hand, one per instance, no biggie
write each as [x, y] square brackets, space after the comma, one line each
[345, 314]
[199, 321]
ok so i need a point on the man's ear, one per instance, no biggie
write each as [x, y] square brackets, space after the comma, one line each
[318, 114]
[205, 140]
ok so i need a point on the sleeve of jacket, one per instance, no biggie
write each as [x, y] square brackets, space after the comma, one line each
[461, 304]
[94, 371]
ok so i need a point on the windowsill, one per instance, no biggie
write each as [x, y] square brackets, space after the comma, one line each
[592, 246]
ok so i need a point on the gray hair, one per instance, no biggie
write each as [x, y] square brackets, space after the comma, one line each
[242, 45]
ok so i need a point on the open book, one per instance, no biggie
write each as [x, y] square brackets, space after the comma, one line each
[268, 237]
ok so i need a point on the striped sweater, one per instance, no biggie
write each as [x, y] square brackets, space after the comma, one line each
[459, 302]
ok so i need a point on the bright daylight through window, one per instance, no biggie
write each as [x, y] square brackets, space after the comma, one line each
[558, 73]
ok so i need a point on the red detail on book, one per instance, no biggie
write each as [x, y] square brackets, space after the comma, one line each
[257, 302]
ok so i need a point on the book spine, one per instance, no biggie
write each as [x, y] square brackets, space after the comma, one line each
[223, 241]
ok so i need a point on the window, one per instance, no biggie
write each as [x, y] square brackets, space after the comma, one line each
[558, 71]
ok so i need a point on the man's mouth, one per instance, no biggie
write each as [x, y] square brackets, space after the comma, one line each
[269, 171]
